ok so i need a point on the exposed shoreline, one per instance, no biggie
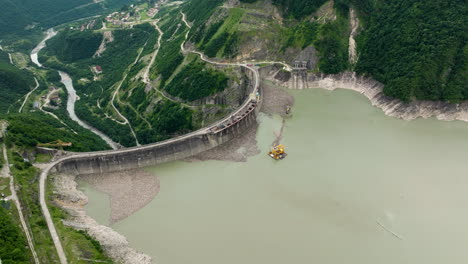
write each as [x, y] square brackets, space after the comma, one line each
[73, 201]
[371, 89]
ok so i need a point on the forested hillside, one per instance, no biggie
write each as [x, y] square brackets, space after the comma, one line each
[16, 16]
[418, 49]
[72, 45]
[298, 8]
[14, 83]
[27, 130]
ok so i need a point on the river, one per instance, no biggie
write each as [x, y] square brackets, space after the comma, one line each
[50, 33]
[356, 187]
[72, 97]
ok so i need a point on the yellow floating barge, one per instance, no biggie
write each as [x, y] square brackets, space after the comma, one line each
[277, 152]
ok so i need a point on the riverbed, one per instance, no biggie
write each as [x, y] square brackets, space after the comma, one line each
[50, 33]
[72, 96]
[356, 187]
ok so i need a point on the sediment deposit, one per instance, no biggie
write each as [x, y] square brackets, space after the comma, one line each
[129, 191]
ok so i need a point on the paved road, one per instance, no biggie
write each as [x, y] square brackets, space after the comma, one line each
[47, 217]
[28, 94]
[14, 197]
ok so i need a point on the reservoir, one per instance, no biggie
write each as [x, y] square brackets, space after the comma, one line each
[356, 187]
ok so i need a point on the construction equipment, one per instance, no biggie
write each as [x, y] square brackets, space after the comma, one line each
[55, 144]
[277, 152]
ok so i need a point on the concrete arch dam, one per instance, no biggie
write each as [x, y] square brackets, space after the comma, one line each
[167, 151]
[173, 149]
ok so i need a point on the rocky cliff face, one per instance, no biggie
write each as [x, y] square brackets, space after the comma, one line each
[370, 88]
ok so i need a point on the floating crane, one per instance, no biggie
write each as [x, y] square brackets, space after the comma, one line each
[277, 152]
[55, 144]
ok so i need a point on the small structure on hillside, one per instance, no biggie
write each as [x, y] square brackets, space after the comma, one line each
[301, 65]
[97, 69]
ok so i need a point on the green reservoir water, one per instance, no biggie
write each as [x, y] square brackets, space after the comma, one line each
[356, 187]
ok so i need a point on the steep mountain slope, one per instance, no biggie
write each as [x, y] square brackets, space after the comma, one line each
[17, 16]
[416, 48]
[14, 82]
[142, 87]
[248, 30]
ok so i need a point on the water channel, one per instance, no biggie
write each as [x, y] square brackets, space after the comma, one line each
[356, 187]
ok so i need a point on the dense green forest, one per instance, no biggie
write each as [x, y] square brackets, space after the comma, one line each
[73, 45]
[199, 11]
[418, 49]
[27, 130]
[221, 37]
[114, 61]
[13, 246]
[195, 81]
[332, 45]
[16, 16]
[298, 8]
[14, 83]
[167, 119]
[169, 56]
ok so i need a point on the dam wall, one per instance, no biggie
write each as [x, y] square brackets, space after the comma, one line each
[170, 150]
[154, 154]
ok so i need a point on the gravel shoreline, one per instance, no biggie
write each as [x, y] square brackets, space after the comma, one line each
[73, 201]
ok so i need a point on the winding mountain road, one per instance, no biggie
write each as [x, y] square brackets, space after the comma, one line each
[146, 78]
[114, 95]
[28, 94]
[14, 198]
